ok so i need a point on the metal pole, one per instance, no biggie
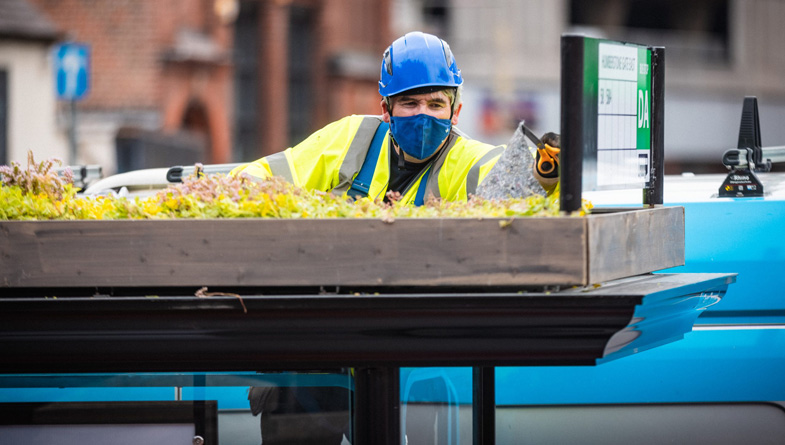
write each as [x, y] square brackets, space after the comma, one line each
[484, 405]
[377, 402]
[72, 134]
[571, 165]
[654, 193]
[199, 407]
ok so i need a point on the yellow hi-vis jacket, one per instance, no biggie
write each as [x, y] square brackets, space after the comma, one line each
[329, 159]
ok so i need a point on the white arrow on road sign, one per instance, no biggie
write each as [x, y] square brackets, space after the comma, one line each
[72, 70]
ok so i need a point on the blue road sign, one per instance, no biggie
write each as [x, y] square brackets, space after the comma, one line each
[72, 70]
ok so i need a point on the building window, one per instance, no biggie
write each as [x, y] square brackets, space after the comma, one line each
[246, 83]
[436, 16]
[3, 117]
[301, 61]
[694, 32]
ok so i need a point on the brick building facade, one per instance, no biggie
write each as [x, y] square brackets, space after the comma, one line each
[154, 65]
[251, 76]
[302, 64]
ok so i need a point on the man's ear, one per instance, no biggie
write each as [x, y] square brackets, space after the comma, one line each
[456, 113]
[385, 111]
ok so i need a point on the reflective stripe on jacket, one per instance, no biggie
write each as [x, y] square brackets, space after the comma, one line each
[329, 159]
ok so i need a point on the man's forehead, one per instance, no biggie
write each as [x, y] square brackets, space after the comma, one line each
[436, 95]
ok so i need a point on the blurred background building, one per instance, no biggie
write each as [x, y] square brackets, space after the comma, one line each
[160, 80]
[231, 80]
[27, 97]
[717, 52]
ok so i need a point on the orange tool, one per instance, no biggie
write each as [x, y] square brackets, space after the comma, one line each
[547, 156]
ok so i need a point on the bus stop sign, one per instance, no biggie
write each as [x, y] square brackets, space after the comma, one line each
[72, 70]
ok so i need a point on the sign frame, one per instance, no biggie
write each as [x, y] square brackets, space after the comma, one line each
[581, 158]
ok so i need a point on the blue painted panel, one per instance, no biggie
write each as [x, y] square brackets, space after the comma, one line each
[733, 365]
[227, 397]
[230, 390]
[742, 236]
[706, 366]
[85, 394]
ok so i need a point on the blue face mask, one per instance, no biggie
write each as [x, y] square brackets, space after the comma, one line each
[419, 136]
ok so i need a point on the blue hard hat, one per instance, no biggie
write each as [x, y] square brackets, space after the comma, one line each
[418, 60]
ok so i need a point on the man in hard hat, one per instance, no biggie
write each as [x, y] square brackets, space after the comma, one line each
[413, 148]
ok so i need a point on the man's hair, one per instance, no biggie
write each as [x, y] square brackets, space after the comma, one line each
[454, 94]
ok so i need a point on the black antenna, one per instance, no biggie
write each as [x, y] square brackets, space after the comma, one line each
[749, 130]
[749, 134]
[748, 158]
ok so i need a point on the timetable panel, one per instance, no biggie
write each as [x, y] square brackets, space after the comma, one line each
[622, 116]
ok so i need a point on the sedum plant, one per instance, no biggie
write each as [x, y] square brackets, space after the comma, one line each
[39, 193]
